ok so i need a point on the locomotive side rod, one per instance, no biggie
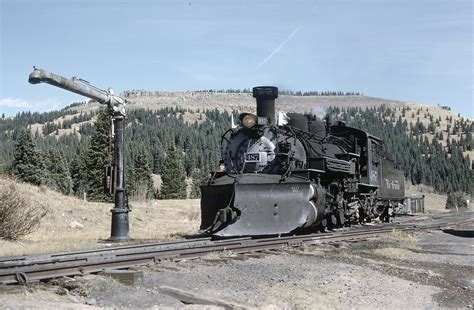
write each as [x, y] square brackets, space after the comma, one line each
[116, 106]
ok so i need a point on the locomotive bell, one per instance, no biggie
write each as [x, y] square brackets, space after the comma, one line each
[266, 96]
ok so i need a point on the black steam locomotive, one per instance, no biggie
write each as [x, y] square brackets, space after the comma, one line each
[299, 174]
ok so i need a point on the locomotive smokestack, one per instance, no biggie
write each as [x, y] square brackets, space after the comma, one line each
[266, 96]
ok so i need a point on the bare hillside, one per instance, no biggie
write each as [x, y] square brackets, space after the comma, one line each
[155, 100]
[240, 101]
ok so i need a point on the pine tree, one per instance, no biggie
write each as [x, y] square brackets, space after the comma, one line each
[199, 178]
[58, 177]
[173, 176]
[28, 163]
[156, 163]
[456, 200]
[97, 156]
[77, 173]
[139, 181]
[469, 141]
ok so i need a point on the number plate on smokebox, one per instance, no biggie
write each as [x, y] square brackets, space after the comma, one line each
[252, 157]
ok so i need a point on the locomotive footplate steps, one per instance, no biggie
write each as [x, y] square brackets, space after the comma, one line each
[259, 204]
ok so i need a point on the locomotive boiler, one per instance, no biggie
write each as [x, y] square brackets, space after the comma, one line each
[295, 173]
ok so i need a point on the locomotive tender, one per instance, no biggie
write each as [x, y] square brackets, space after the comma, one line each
[299, 174]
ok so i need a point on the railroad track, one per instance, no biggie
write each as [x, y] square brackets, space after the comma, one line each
[32, 268]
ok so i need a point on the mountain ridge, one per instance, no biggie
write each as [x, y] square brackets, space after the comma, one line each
[243, 101]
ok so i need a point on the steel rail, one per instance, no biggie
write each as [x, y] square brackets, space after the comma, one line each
[38, 258]
[101, 250]
[17, 261]
[24, 270]
[21, 261]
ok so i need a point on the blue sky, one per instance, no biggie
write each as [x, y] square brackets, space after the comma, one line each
[414, 50]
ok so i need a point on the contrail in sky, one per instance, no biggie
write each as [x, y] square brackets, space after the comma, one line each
[279, 47]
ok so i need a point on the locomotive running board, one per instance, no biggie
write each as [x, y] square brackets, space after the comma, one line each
[264, 205]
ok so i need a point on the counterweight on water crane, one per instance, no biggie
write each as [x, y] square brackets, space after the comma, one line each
[116, 106]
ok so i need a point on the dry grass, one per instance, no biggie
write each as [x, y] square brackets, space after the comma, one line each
[398, 235]
[213, 255]
[392, 253]
[18, 215]
[241, 102]
[436, 112]
[403, 244]
[434, 203]
[73, 224]
[219, 256]
[59, 121]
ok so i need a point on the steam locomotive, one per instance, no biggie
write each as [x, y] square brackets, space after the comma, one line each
[297, 174]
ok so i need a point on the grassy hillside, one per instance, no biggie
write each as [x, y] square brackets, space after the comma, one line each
[72, 223]
[236, 101]
[244, 102]
[194, 121]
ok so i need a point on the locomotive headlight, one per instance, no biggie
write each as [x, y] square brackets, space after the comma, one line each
[249, 120]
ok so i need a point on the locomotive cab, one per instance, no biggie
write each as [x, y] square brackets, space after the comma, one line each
[367, 149]
[372, 153]
[376, 170]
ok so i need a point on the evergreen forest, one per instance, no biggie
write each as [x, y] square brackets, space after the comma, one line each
[179, 144]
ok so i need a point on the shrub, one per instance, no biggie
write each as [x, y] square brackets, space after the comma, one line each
[456, 200]
[18, 215]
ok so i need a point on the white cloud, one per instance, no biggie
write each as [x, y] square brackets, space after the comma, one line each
[14, 103]
[33, 105]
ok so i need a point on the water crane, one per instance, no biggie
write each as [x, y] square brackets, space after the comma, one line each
[116, 107]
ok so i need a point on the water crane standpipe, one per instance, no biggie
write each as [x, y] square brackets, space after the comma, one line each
[116, 106]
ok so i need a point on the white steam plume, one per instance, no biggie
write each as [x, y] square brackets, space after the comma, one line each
[319, 112]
